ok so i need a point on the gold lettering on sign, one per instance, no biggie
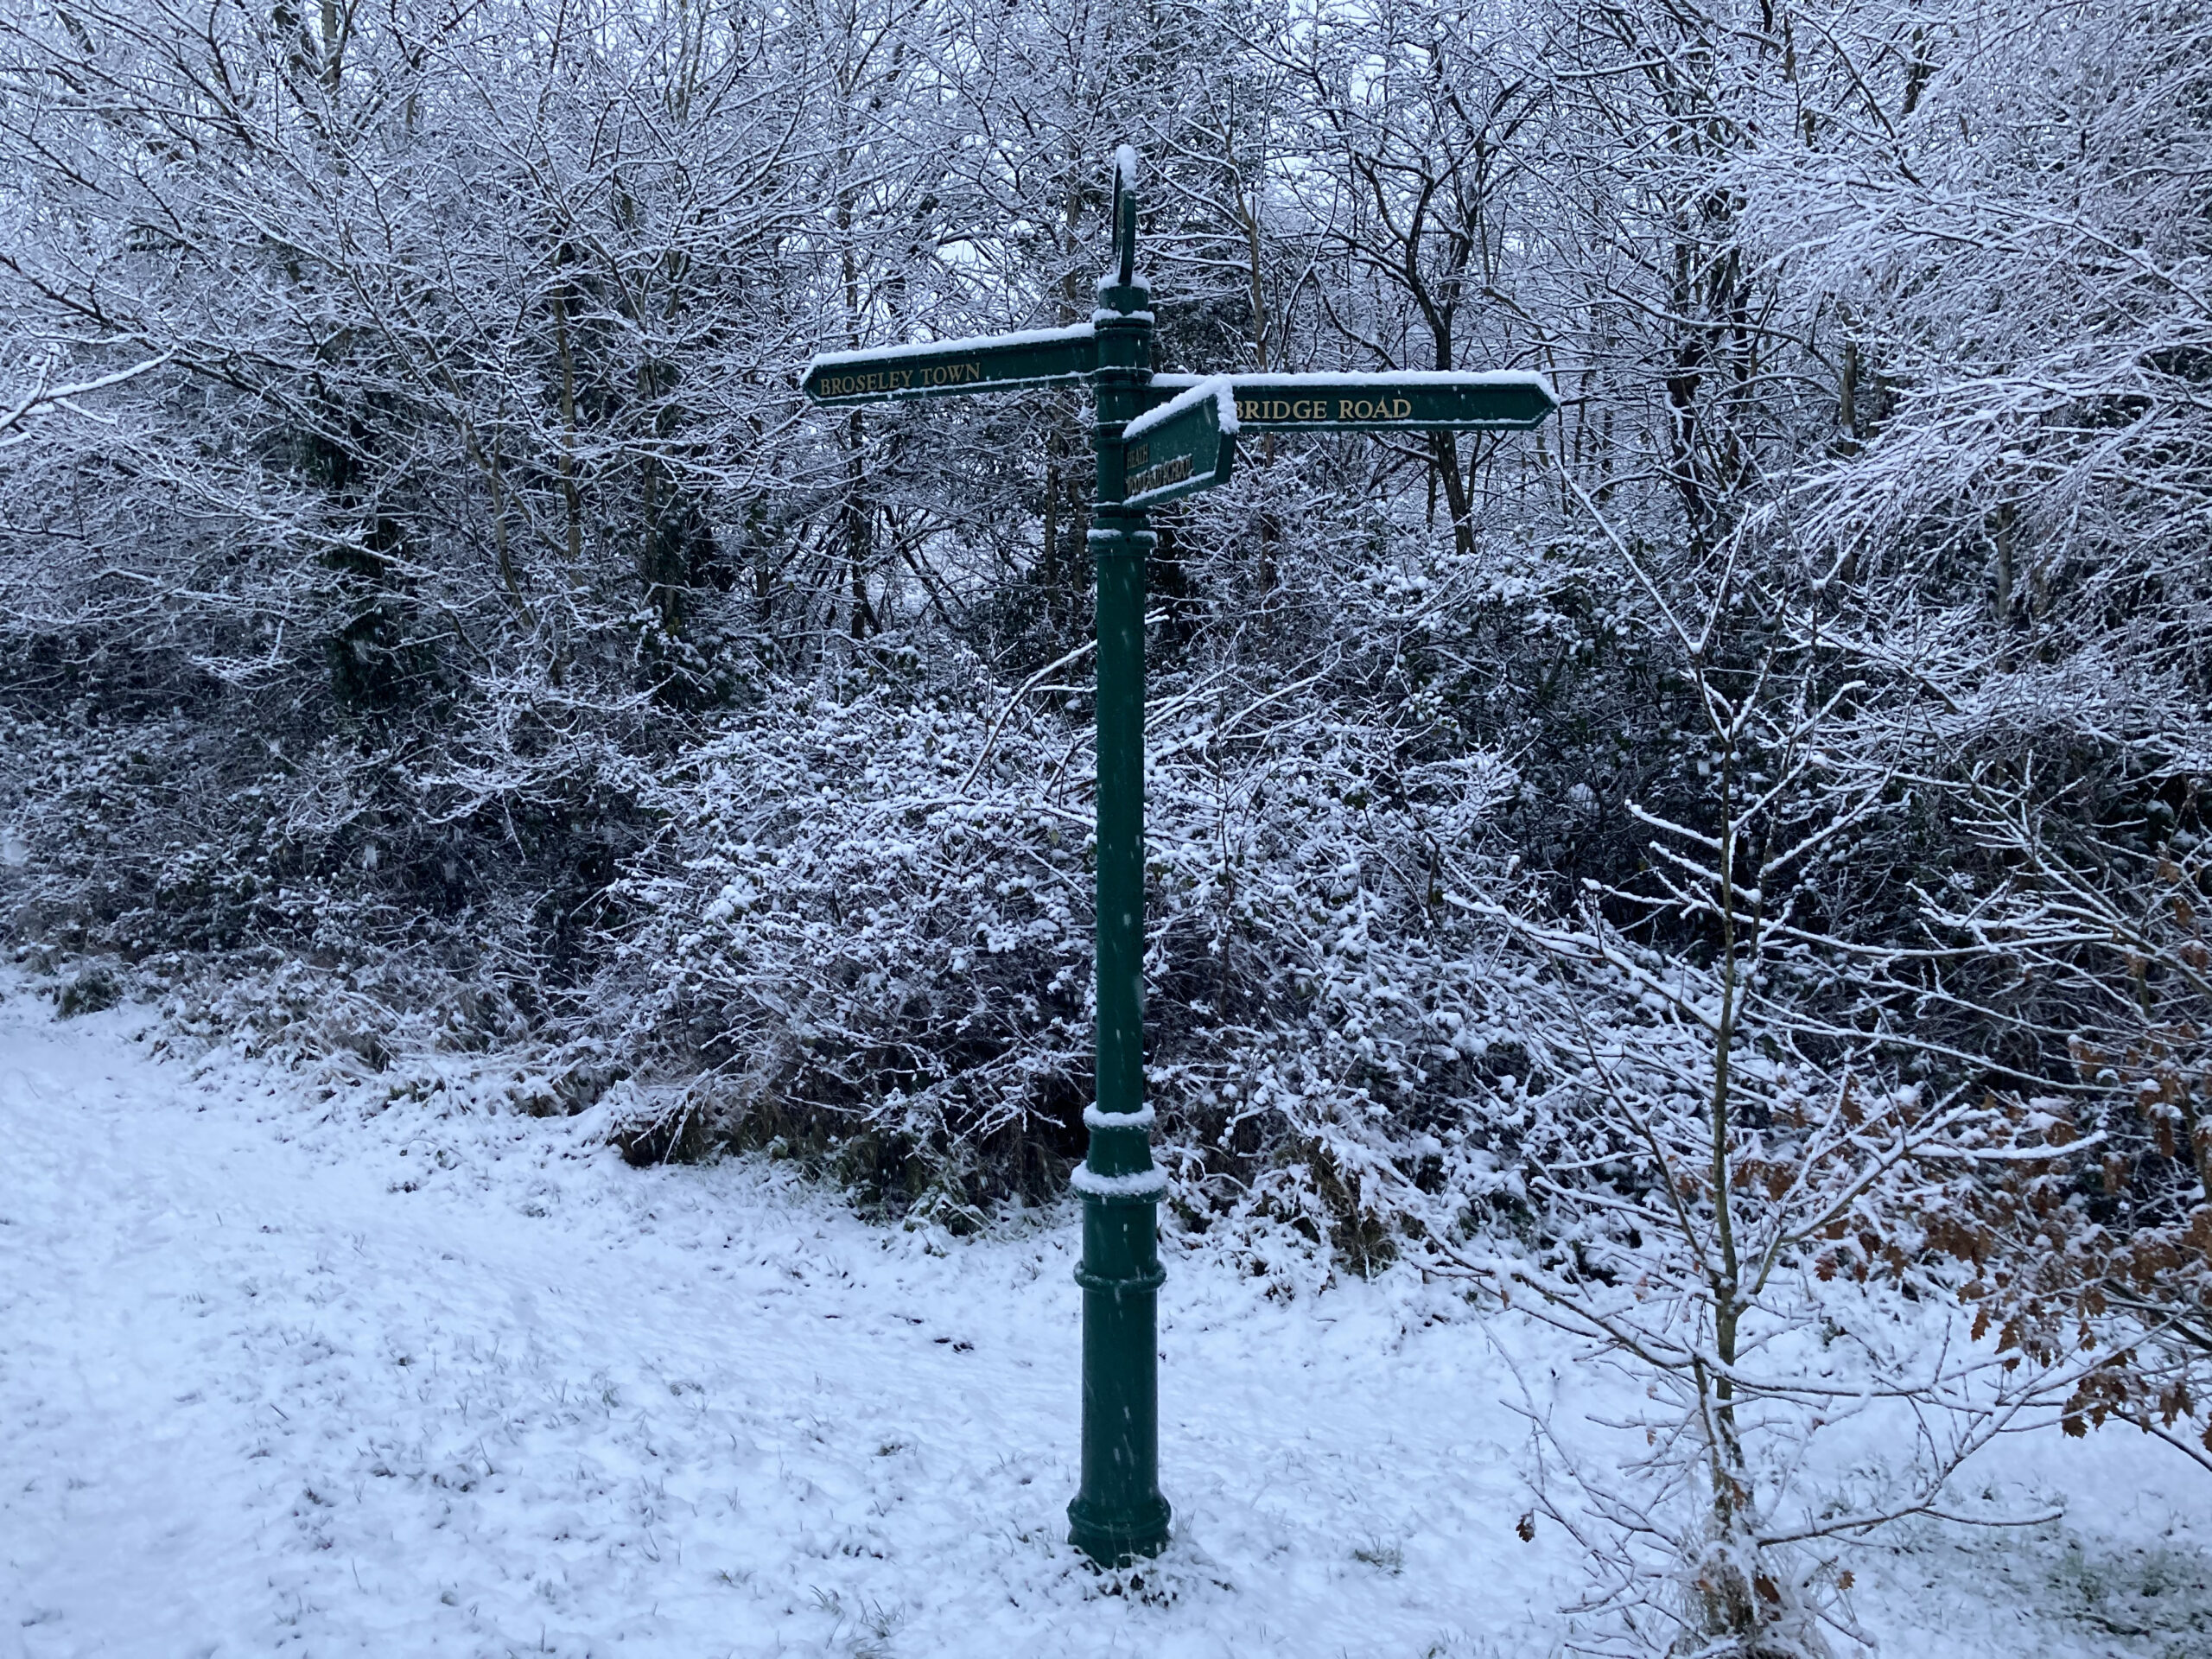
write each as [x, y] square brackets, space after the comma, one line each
[1174, 470]
[1374, 409]
[1139, 457]
[889, 382]
[1280, 411]
[861, 385]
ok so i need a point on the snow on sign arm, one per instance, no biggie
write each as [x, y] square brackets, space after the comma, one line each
[940, 368]
[1187, 444]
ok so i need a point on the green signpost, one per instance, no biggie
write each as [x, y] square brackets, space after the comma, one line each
[1157, 438]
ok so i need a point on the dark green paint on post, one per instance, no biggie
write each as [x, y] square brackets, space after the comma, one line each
[1118, 1513]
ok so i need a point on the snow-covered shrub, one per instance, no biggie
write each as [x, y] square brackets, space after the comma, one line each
[154, 835]
[2106, 1249]
[309, 900]
[2013, 521]
[871, 914]
[874, 950]
[1736, 1207]
[1744, 1157]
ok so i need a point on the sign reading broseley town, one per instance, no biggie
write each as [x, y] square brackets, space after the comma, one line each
[1048, 357]
[1157, 438]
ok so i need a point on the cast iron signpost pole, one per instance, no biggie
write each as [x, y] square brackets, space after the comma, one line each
[1159, 439]
[1118, 1513]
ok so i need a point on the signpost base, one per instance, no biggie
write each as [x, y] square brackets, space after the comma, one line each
[1118, 1515]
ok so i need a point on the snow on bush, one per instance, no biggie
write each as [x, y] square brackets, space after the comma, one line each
[870, 917]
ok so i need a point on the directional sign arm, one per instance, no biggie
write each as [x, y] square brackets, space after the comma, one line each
[1043, 357]
[1420, 402]
[1186, 444]
[1415, 401]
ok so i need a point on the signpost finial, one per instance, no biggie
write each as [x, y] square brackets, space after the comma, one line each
[1125, 214]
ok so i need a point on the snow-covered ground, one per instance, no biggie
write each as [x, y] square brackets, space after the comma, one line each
[277, 1376]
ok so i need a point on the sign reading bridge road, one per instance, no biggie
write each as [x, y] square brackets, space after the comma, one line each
[1157, 438]
[1415, 400]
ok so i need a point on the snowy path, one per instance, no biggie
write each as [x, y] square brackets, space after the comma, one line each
[273, 1381]
[261, 1398]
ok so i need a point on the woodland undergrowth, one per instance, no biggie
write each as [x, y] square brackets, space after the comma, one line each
[1725, 874]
